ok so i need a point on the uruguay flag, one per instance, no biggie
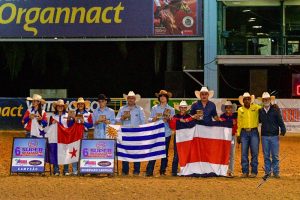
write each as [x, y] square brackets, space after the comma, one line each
[203, 150]
[64, 143]
[143, 143]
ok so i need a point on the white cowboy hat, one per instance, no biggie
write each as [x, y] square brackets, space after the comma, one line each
[246, 94]
[59, 102]
[36, 97]
[132, 94]
[204, 89]
[81, 100]
[266, 95]
[228, 103]
[182, 104]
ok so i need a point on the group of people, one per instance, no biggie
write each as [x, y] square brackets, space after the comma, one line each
[244, 125]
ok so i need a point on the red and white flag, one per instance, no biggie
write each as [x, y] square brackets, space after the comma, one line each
[203, 150]
[64, 143]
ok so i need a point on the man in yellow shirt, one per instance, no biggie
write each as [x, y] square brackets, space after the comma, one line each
[247, 133]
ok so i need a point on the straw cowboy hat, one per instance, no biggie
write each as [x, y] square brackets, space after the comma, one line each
[59, 102]
[81, 100]
[36, 97]
[204, 89]
[246, 94]
[228, 103]
[132, 94]
[163, 92]
[182, 104]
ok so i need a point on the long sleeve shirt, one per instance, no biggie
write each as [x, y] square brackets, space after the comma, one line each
[231, 118]
[271, 121]
[61, 119]
[137, 116]
[248, 118]
[100, 129]
[209, 111]
[87, 118]
[27, 121]
[158, 109]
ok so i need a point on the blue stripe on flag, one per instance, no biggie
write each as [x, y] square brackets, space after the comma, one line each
[142, 138]
[137, 156]
[141, 129]
[141, 147]
[52, 153]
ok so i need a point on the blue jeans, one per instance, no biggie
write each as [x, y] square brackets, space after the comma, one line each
[85, 135]
[74, 167]
[270, 146]
[249, 140]
[65, 170]
[232, 155]
[175, 159]
[164, 161]
[136, 167]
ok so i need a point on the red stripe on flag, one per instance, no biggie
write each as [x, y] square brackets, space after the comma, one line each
[204, 150]
[69, 135]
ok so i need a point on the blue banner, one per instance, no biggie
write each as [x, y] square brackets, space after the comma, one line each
[28, 155]
[97, 156]
[100, 18]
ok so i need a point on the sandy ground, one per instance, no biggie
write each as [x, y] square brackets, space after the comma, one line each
[131, 187]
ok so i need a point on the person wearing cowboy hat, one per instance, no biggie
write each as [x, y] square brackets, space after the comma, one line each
[60, 116]
[81, 113]
[247, 133]
[162, 111]
[204, 109]
[183, 117]
[131, 115]
[230, 114]
[35, 118]
[102, 116]
[271, 120]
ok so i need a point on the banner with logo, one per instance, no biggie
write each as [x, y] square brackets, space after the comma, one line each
[28, 155]
[97, 156]
[100, 18]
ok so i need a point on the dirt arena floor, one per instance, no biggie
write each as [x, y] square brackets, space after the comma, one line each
[131, 187]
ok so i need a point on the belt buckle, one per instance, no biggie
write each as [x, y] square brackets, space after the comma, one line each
[248, 129]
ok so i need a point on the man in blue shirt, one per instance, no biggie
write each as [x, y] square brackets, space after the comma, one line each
[131, 115]
[102, 116]
[271, 120]
[162, 111]
[203, 109]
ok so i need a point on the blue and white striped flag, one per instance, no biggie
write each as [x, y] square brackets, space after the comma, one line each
[143, 143]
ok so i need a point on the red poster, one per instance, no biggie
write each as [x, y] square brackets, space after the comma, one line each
[175, 17]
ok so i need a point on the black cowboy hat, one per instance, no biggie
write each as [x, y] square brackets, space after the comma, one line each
[103, 97]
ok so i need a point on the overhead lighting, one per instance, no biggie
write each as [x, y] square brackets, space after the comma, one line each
[244, 11]
[256, 26]
[251, 20]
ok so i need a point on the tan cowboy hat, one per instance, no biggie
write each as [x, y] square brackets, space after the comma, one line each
[246, 94]
[228, 103]
[204, 89]
[59, 102]
[36, 97]
[81, 100]
[182, 104]
[163, 92]
[132, 94]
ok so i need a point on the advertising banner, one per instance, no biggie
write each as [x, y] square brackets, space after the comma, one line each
[28, 155]
[100, 18]
[97, 156]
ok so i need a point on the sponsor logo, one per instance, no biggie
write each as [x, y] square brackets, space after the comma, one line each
[104, 163]
[101, 145]
[33, 144]
[188, 21]
[21, 162]
[35, 162]
[89, 163]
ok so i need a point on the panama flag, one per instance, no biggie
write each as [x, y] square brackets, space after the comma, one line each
[142, 143]
[203, 150]
[64, 143]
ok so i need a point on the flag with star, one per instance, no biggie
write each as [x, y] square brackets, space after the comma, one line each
[64, 143]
